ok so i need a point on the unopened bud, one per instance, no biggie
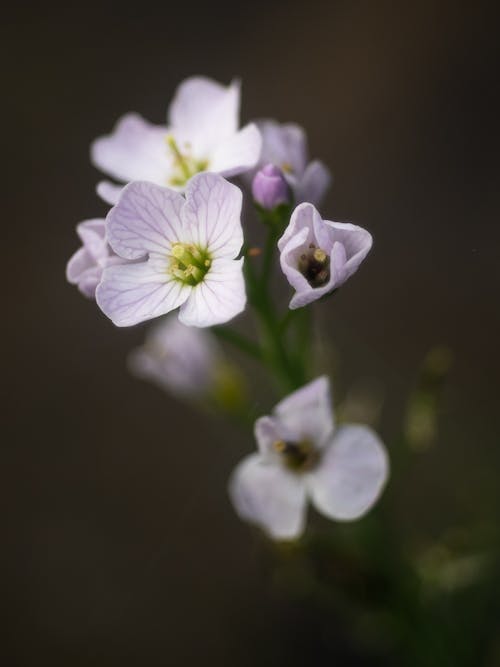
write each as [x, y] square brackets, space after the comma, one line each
[269, 187]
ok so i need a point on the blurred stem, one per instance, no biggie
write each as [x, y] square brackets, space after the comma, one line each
[239, 341]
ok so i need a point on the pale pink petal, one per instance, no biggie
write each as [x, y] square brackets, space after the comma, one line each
[218, 298]
[135, 150]
[307, 412]
[204, 112]
[213, 210]
[92, 234]
[351, 475]
[314, 183]
[109, 192]
[237, 153]
[133, 293]
[284, 145]
[145, 219]
[269, 496]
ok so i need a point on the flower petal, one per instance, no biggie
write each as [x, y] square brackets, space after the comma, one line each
[109, 192]
[267, 431]
[237, 153]
[357, 243]
[213, 210]
[145, 219]
[307, 413]
[284, 145]
[92, 234]
[135, 150]
[81, 270]
[269, 496]
[133, 293]
[351, 475]
[314, 183]
[204, 112]
[218, 298]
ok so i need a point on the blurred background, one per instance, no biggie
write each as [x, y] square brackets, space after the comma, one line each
[118, 544]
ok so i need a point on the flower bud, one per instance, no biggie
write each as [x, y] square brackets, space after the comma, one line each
[269, 187]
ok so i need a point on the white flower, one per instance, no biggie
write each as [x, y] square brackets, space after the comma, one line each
[285, 146]
[301, 456]
[185, 251]
[318, 256]
[85, 267]
[202, 135]
[182, 360]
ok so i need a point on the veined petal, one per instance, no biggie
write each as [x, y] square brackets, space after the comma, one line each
[356, 241]
[237, 153]
[218, 298]
[307, 413]
[135, 150]
[204, 112]
[212, 211]
[133, 293]
[303, 217]
[109, 192]
[351, 475]
[145, 219]
[314, 183]
[269, 496]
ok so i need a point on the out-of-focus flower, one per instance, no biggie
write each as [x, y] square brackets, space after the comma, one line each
[183, 360]
[202, 135]
[85, 267]
[301, 456]
[185, 251]
[285, 146]
[318, 256]
[188, 362]
[269, 187]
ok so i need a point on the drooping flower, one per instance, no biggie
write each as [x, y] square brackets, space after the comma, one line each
[185, 252]
[85, 267]
[303, 457]
[269, 187]
[318, 256]
[285, 146]
[202, 135]
[182, 360]
[188, 362]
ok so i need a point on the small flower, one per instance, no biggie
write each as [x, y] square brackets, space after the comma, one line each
[87, 264]
[318, 256]
[202, 135]
[285, 146]
[185, 251]
[182, 360]
[269, 187]
[301, 456]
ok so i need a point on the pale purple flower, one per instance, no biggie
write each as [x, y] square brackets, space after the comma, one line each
[318, 256]
[85, 267]
[285, 145]
[269, 187]
[185, 251]
[201, 135]
[303, 457]
[182, 360]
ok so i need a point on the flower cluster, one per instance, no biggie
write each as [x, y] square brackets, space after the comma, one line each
[173, 240]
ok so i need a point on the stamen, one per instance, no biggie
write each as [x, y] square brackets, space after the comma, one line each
[189, 263]
[315, 266]
[179, 157]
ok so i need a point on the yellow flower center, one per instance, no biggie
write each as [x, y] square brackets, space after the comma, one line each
[189, 263]
[185, 165]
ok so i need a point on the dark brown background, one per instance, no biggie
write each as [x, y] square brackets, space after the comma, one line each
[118, 544]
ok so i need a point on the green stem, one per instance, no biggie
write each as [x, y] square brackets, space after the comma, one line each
[239, 341]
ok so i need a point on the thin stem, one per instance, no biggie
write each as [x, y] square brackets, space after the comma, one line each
[239, 341]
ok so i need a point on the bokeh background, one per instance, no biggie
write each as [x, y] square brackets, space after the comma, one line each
[119, 545]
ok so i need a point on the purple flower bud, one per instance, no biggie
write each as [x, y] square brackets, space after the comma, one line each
[269, 187]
